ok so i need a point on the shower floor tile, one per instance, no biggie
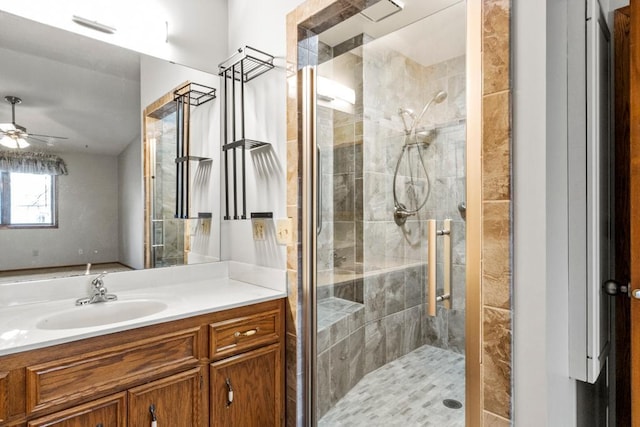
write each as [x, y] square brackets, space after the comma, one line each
[407, 392]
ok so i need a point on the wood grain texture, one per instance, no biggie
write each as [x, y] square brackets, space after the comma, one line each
[130, 346]
[74, 378]
[176, 400]
[622, 215]
[233, 336]
[634, 205]
[257, 389]
[110, 412]
[4, 396]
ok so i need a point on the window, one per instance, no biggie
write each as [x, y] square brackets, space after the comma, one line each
[27, 200]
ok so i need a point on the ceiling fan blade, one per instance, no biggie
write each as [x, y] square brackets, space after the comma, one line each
[32, 138]
[48, 136]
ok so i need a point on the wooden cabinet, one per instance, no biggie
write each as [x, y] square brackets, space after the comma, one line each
[172, 401]
[246, 389]
[179, 367]
[107, 412]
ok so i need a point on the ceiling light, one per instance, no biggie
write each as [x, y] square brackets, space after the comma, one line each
[9, 142]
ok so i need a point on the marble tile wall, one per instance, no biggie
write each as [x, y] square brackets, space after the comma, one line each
[444, 162]
[496, 213]
[171, 231]
[496, 375]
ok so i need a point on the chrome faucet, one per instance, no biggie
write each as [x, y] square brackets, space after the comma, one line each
[99, 292]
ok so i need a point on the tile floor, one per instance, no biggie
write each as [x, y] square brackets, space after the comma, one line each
[407, 392]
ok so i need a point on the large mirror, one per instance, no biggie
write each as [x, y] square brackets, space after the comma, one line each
[84, 98]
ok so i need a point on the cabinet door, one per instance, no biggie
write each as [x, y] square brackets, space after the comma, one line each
[174, 400]
[246, 390]
[107, 412]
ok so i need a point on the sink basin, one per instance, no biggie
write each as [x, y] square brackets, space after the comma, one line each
[100, 314]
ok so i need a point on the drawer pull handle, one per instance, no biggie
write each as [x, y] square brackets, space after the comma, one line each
[154, 419]
[229, 392]
[246, 333]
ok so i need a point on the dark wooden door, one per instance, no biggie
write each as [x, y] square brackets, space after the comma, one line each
[246, 390]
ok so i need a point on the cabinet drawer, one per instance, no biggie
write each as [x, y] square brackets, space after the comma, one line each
[242, 333]
[108, 412]
[86, 375]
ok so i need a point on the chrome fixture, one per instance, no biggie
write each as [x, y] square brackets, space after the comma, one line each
[416, 139]
[337, 259]
[99, 292]
[94, 25]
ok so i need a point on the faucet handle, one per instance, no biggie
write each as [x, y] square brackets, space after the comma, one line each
[88, 270]
[97, 282]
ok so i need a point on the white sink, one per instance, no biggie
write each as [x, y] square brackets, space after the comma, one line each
[99, 314]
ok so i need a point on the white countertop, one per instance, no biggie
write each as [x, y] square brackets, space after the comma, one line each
[18, 322]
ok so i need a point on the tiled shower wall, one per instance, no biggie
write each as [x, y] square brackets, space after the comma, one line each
[170, 232]
[495, 378]
[393, 81]
[359, 149]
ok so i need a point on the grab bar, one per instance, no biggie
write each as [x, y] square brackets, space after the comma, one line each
[432, 297]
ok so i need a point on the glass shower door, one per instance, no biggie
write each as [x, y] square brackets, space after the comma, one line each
[390, 131]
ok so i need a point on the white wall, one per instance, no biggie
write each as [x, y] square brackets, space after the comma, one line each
[197, 29]
[131, 206]
[159, 77]
[262, 25]
[87, 219]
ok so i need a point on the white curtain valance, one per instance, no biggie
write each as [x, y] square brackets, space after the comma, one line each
[30, 162]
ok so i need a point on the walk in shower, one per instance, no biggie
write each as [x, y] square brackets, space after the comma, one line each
[390, 134]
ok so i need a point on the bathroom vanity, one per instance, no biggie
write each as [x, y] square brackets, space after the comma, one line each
[219, 364]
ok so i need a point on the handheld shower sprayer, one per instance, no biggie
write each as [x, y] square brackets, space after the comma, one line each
[401, 212]
[437, 99]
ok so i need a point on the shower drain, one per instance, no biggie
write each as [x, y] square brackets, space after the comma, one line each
[452, 404]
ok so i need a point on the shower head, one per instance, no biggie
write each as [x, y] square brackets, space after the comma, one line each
[437, 98]
[382, 9]
[440, 96]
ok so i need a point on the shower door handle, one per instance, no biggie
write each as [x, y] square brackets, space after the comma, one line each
[446, 237]
[432, 297]
[431, 261]
[319, 191]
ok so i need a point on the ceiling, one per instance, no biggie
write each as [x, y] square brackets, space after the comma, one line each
[432, 40]
[70, 86]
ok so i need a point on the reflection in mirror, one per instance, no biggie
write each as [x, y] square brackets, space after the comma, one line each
[89, 93]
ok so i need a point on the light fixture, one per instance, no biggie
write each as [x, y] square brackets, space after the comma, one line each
[330, 90]
[13, 141]
[94, 25]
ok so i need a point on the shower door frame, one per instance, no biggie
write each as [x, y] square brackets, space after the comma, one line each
[309, 208]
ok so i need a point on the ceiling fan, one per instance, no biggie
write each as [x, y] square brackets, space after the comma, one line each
[13, 135]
